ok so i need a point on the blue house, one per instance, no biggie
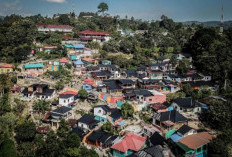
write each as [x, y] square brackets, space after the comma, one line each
[79, 64]
[79, 47]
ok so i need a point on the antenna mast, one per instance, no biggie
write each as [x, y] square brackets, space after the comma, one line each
[222, 19]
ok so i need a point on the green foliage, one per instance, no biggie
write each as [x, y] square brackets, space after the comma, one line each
[182, 67]
[7, 147]
[64, 20]
[102, 7]
[63, 129]
[127, 110]
[25, 132]
[172, 96]
[82, 94]
[41, 106]
[59, 85]
[17, 39]
[5, 104]
[218, 115]
[107, 127]
[19, 107]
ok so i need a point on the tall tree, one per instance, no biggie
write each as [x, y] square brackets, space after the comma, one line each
[103, 7]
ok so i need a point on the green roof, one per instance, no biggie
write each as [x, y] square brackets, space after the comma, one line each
[36, 65]
[73, 57]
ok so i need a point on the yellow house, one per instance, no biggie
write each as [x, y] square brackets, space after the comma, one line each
[6, 68]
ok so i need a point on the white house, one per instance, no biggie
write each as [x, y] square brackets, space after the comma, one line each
[47, 28]
[66, 99]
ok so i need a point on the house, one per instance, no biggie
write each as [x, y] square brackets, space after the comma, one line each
[89, 61]
[168, 122]
[103, 114]
[49, 48]
[34, 67]
[56, 115]
[54, 66]
[149, 130]
[150, 84]
[48, 28]
[88, 84]
[183, 105]
[106, 62]
[182, 56]
[182, 132]
[79, 48]
[101, 75]
[87, 122]
[91, 35]
[6, 68]
[39, 91]
[128, 145]
[101, 139]
[78, 64]
[130, 73]
[67, 100]
[153, 151]
[80, 132]
[155, 74]
[195, 144]
[64, 61]
[201, 84]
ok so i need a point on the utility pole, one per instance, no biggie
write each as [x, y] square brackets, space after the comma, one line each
[222, 20]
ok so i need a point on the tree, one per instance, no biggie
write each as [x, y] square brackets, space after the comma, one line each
[107, 127]
[7, 147]
[20, 106]
[72, 141]
[63, 129]
[127, 110]
[83, 94]
[64, 19]
[41, 106]
[5, 104]
[25, 132]
[102, 7]
[182, 67]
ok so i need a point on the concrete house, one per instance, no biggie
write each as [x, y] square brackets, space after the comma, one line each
[183, 105]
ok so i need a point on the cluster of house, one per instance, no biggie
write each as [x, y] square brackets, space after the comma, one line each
[84, 36]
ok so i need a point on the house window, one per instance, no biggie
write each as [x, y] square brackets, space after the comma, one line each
[99, 111]
[64, 101]
[180, 108]
[150, 99]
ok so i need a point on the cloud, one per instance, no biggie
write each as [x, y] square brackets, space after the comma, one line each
[56, 1]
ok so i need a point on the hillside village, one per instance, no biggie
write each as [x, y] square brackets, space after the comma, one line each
[155, 109]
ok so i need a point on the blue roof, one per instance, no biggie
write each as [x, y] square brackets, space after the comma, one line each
[176, 137]
[79, 62]
[79, 46]
[36, 65]
[68, 46]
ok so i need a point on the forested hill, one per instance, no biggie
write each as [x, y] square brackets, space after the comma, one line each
[227, 24]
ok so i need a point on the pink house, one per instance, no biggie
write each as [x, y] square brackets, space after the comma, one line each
[149, 96]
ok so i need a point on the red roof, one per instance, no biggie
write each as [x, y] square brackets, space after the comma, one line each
[69, 92]
[89, 82]
[196, 140]
[5, 65]
[92, 32]
[130, 141]
[64, 60]
[50, 47]
[54, 26]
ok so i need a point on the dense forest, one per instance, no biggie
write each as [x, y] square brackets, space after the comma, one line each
[211, 51]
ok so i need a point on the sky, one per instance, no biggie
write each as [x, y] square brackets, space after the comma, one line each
[178, 10]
